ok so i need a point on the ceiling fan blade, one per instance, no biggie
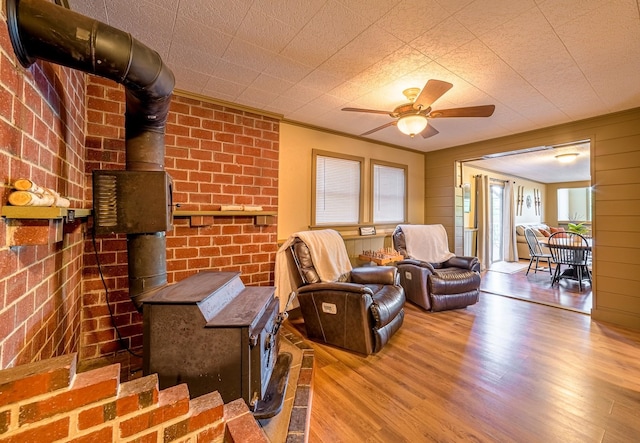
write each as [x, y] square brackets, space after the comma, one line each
[471, 111]
[370, 111]
[432, 91]
[429, 131]
[386, 125]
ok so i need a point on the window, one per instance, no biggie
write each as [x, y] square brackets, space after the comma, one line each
[337, 189]
[574, 204]
[389, 192]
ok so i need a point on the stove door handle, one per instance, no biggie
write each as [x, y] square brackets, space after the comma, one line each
[268, 342]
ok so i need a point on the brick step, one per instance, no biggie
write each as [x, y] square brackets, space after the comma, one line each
[34, 379]
[47, 401]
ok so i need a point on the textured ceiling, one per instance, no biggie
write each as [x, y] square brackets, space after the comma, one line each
[540, 163]
[541, 62]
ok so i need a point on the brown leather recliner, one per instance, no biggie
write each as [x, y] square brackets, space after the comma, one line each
[452, 284]
[360, 312]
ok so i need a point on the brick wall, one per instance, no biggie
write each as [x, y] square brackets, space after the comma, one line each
[41, 137]
[48, 401]
[53, 303]
[216, 156]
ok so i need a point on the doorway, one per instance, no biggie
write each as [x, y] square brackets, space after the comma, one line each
[536, 171]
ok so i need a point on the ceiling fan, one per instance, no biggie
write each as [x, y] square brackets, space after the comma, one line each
[411, 118]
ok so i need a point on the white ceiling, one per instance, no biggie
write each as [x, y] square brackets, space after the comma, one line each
[540, 163]
[541, 62]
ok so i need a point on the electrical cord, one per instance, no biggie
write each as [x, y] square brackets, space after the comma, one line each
[121, 340]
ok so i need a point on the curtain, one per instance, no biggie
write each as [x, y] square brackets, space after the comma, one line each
[482, 221]
[510, 252]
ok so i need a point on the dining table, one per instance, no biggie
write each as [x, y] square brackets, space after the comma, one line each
[567, 243]
[572, 252]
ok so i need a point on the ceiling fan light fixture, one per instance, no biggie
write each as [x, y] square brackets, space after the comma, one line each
[567, 158]
[412, 124]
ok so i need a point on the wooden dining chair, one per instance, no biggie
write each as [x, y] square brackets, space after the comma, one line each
[572, 251]
[536, 253]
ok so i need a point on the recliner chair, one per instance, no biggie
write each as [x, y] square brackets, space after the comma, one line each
[450, 282]
[359, 312]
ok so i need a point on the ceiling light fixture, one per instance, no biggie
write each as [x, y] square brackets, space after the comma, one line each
[412, 124]
[567, 158]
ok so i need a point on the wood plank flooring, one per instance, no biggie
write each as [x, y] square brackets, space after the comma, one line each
[537, 287]
[503, 370]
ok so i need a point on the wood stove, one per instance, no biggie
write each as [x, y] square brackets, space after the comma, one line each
[214, 334]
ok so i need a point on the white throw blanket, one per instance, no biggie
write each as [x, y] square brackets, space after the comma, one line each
[329, 256]
[427, 243]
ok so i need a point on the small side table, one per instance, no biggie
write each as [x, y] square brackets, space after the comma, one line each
[382, 259]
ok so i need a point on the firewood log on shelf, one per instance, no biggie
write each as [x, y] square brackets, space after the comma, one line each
[30, 194]
[24, 184]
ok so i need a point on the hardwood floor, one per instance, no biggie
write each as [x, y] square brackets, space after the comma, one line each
[503, 370]
[537, 287]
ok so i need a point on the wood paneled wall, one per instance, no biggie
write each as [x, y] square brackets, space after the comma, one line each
[615, 176]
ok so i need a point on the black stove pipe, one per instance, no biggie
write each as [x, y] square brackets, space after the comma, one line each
[39, 29]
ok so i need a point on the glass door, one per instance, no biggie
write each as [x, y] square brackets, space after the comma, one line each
[496, 205]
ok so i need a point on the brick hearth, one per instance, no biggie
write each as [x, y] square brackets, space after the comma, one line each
[52, 400]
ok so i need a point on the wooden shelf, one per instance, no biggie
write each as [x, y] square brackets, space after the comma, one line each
[40, 225]
[205, 218]
[39, 212]
[364, 237]
[222, 213]
[43, 212]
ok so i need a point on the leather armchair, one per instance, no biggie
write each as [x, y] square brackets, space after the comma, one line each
[452, 284]
[359, 312]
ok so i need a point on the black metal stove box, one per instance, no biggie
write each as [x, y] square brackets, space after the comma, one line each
[215, 334]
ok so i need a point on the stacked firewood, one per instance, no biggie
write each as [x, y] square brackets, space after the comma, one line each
[27, 193]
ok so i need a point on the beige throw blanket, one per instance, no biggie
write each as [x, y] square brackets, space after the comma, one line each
[329, 256]
[427, 243]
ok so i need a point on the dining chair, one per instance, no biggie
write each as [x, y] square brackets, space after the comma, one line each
[572, 251]
[536, 253]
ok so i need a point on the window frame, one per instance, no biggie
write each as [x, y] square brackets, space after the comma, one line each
[315, 153]
[372, 194]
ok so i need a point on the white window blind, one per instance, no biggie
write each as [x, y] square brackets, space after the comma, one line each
[389, 189]
[337, 190]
